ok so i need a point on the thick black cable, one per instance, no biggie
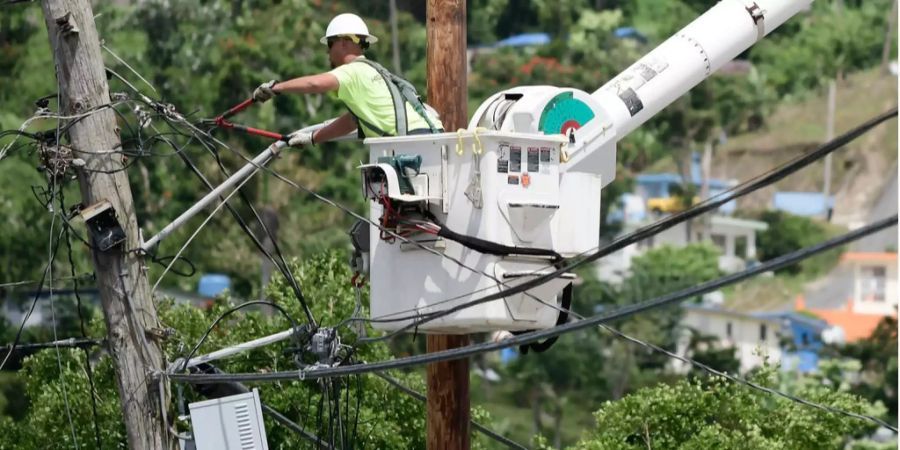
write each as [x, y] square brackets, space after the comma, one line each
[481, 428]
[475, 349]
[37, 295]
[645, 232]
[446, 355]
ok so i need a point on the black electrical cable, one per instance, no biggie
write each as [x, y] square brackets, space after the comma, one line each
[662, 225]
[481, 428]
[344, 209]
[162, 262]
[488, 247]
[61, 343]
[229, 312]
[285, 270]
[37, 295]
[84, 334]
[283, 267]
[774, 264]
[746, 382]
[475, 349]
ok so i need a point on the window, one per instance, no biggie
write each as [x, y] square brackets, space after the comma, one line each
[728, 330]
[740, 246]
[719, 240]
[762, 332]
[872, 283]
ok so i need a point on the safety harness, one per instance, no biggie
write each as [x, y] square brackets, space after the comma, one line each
[402, 92]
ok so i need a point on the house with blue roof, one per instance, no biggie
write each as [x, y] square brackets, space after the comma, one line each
[787, 337]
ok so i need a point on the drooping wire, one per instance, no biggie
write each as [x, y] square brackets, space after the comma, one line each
[227, 313]
[92, 392]
[471, 350]
[475, 349]
[745, 382]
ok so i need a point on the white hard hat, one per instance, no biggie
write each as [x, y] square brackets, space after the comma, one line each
[347, 24]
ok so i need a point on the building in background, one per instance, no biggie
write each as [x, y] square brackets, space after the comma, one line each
[858, 295]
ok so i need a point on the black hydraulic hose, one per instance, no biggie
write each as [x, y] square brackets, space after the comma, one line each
[488, 247]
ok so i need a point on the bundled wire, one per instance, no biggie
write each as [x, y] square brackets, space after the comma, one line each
[627, 311]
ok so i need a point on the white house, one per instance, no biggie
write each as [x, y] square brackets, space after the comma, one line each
[784, 337]
[735, 238]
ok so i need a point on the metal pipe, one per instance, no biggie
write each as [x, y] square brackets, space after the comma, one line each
[248, 170]
[235, 349]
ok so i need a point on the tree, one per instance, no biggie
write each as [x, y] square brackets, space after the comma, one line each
[877, 371]
[714, 413]
[385, 417]
[787, 233]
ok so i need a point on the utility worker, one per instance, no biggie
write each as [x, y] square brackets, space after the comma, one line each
[379, 102]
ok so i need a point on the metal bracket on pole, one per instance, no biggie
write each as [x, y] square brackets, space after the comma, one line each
[247, 171]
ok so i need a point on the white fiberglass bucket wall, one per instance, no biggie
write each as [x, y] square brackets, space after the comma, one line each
[525, 202]
[690, 56]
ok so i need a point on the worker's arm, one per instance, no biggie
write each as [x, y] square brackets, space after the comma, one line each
[338, 127]
[311, 84]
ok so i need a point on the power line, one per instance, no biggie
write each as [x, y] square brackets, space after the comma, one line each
[31, 282]
[748, 383]
[662, 225]
[535, 336]
[475, 349]
[61, 343]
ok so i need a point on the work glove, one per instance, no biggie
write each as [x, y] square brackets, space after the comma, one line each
[264, 92]
[300, 139]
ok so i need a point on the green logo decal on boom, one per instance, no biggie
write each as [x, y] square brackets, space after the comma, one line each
[563, 113]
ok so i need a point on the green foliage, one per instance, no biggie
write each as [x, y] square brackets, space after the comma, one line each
[820, 46]
[876, 373]
[788, 233]
[387, 418]
[714, 413]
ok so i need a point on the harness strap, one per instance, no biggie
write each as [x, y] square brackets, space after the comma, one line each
[402, 92]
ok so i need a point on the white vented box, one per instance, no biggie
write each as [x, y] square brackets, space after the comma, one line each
[502, 187]
[233, 422]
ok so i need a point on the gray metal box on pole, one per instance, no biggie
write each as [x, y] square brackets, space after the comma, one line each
[226, 423]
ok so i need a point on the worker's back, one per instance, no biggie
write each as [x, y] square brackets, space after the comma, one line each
[366, 94]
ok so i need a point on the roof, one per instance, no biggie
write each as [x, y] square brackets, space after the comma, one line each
[869, 257]
[742, 223]
[768, 316]
[524, 40]
[802, 203]
[855, 326]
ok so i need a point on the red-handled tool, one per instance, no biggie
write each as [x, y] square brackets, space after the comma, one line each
[221, 122]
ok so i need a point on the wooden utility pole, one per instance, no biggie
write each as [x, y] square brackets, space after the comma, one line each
[448, 382]
[124, 291]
